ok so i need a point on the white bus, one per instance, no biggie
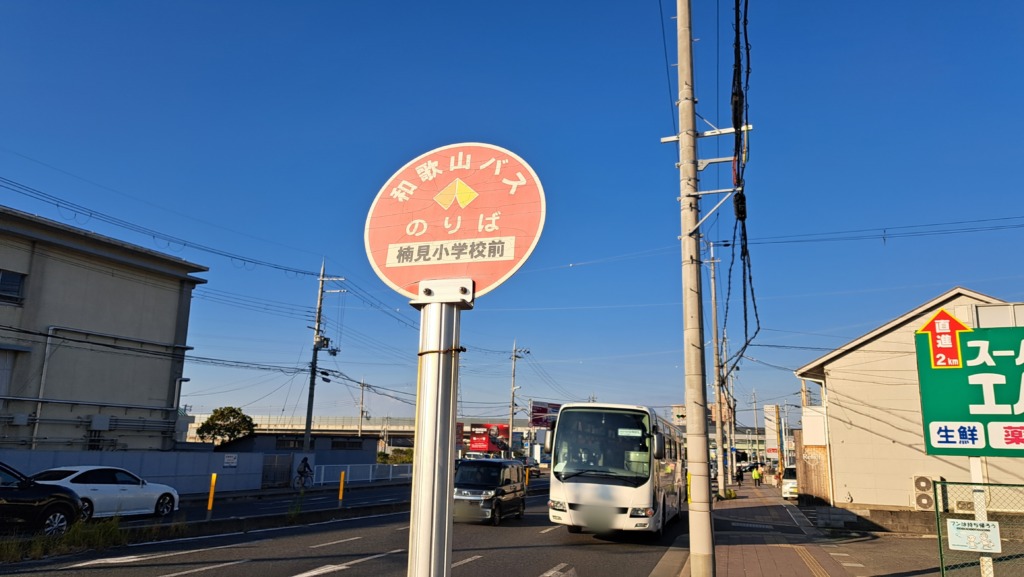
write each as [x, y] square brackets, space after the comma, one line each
[615, 468]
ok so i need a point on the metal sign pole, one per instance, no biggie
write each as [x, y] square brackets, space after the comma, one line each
[430, 548]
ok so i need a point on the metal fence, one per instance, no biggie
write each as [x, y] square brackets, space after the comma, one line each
[331, 474]
[980, 528]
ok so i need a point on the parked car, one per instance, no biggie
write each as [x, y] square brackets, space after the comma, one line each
[532, 466]
[27, 505]
[489, 490]
[111, 491]
[790, 489]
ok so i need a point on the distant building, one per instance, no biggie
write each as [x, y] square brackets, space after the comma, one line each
[92, 339]
[329, 448]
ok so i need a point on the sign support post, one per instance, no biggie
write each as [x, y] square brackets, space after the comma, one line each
[430, 529]
[979, 494]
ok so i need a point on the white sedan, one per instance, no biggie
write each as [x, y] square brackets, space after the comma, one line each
[110, 491]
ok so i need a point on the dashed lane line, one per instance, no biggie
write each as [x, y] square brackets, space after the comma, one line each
[332, 568]
[464, 561]
[317, 546]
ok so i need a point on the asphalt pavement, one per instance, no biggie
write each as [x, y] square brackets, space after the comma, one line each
[759, 534]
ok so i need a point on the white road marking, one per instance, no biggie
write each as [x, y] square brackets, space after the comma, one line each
[549, 529]
[556, 570]
[464, 561]
[134, 558]
[204, 568]
[332, 568]
[334, 542]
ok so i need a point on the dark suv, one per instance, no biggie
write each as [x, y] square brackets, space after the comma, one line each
[489, 490]
[31, 506]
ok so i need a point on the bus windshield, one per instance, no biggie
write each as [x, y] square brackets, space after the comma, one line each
[602, 445]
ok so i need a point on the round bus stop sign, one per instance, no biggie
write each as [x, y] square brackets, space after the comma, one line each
[467, 210]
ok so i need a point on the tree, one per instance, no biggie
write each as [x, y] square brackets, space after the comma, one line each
[397, 457]
[226, 424]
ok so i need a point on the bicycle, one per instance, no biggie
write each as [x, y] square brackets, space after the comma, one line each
[303, 481]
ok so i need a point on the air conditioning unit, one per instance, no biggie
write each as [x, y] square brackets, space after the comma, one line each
[924, 493]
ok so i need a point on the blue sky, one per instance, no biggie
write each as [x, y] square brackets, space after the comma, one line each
[879, 175]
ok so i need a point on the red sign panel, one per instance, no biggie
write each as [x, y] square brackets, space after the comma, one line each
[489, 438]
[943, 332]
[543, 414]
[468, 210]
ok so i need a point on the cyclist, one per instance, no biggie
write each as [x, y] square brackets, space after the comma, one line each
[305, 470]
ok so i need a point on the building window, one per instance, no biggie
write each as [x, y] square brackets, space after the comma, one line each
[11, 286]
[346, 445]
[289, 444]
[6, 370]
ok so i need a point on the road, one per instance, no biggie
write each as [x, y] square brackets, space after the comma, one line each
[374, 545]
[279, 502]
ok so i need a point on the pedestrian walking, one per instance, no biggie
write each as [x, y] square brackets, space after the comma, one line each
[756, 476]
[739, 477]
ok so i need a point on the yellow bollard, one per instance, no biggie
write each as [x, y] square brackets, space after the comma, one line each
[341, 488]
[213, 487]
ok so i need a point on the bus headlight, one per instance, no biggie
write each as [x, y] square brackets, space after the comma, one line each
[487, 494]
[641, 512]
[556, 505]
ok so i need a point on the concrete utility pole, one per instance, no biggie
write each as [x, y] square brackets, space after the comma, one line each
[702, 547]
[732, 424]
[719, 397]
[757, 444]
[319, 342]
[362, 412]
[512, 403]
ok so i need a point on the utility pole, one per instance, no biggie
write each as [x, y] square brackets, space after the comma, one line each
[757, 444]
[702, 547]
[732, 424]
[784, 444]
[362, 413]
[512, 403]
[719, 397]
[319, 342]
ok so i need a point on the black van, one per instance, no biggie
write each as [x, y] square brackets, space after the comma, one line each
[489, 490]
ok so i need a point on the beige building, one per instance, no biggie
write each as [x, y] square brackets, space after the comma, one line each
[864, 448]
[92, 339]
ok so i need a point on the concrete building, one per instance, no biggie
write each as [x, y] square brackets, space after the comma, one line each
[92, 339]
[863, 449]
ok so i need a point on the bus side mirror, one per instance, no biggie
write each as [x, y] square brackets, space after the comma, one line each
[548, 436]
[659, 446]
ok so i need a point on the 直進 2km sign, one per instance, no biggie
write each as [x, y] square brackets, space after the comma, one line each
[468, 210]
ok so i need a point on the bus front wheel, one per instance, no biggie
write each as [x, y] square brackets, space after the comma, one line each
[574, 528]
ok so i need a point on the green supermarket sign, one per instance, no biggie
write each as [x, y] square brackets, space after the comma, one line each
[972, 388]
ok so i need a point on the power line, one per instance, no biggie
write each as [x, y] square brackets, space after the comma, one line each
[64, 204]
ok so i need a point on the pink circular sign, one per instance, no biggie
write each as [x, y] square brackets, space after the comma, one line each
[468, 210]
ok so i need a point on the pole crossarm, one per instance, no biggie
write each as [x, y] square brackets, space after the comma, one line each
[721, 131]
[702, 164]
[714, 208]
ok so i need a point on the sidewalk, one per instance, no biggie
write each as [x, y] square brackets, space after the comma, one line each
[759, 534]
